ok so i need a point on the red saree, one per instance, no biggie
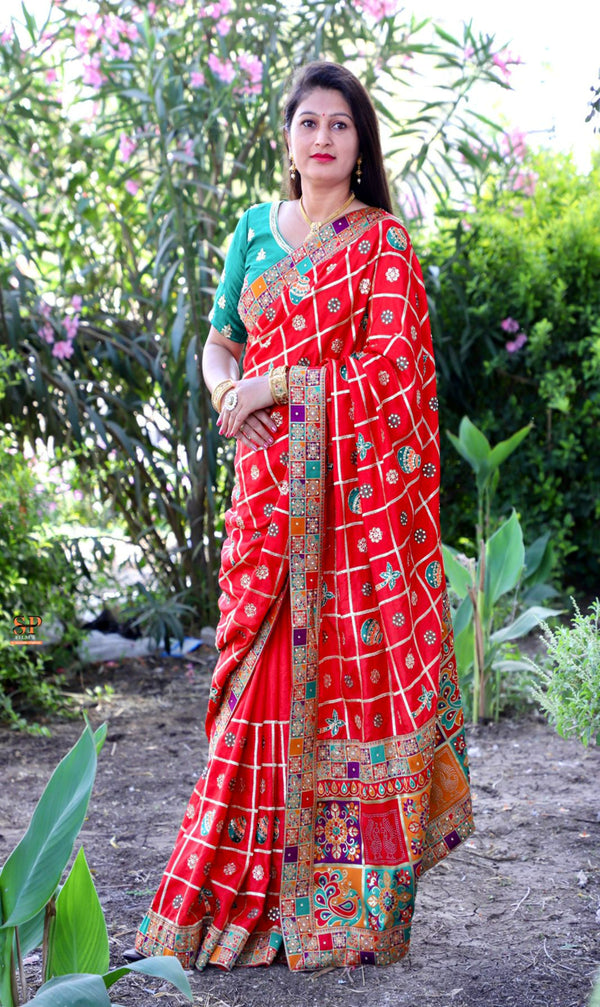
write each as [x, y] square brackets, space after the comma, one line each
[338, 769]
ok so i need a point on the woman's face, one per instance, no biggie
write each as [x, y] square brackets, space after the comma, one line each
[323, 138]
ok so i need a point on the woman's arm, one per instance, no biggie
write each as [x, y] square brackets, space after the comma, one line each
[220, 362]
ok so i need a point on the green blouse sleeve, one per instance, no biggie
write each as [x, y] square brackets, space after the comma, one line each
[224, 315]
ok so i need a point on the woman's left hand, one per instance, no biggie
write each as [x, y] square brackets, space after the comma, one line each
[249, 420]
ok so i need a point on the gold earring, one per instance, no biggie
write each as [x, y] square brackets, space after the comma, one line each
[292, 168]
[359, 169]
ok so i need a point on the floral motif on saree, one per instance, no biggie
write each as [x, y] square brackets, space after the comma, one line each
[339, 517]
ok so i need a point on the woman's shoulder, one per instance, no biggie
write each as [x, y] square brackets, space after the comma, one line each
[393, 232]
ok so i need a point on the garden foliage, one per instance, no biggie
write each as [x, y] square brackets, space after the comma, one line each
[516, 310]
[67, 920]
[132, 138]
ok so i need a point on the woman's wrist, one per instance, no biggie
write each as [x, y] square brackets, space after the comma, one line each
[219, 391]
[278, 385]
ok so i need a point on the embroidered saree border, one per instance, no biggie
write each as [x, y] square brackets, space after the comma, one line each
[307, 471]
[262, 293]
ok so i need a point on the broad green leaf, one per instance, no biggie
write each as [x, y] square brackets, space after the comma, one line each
[475, 444]
[34, 868]
[539, 560]
[79, 941]
[463, 650]
[463, 616]
[100, 737]
[161, 966]
[524, 624]
[73, 991]
[459, 576]
[6, 943]
[31, 933]
[503, 449]
[504, 557]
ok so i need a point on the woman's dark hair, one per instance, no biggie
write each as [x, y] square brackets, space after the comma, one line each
[373, 189]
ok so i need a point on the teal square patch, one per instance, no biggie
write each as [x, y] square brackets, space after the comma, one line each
[302, 907]
[377, 755]
[313, 470]
[304, 266]
[311, 689]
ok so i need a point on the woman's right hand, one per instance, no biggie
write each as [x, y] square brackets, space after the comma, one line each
[249, 421]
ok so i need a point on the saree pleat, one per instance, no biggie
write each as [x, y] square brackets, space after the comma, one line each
[334, 627]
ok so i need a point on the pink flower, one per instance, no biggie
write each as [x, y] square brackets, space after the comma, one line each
[7, 35]
[469, 52]
[253, 67]
[45, 309]
[76, 302]
[197, 78]
[47, 333]
[189, 148]
[515, 144]
[124, 50]
[132, 187]
[509, 325]
[222, 69]
[63, 349]
[92, 75]
[71, 325]
[152, 9]
[223, 26]
[504, 60]
[51, 76]
[515, 345]
[77, 495]
[525, 183]
[127, 146]
[378, 9]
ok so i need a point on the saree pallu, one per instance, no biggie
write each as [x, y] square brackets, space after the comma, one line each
[338, 766]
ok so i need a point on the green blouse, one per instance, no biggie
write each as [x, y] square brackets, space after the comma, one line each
[257, 243]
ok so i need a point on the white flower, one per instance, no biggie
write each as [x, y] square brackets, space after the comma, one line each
[383, 377]
[222, 301]
[362, 545]
[261, 255]
[364, 286]
[299, 323]
[258, 872]
[376, 534]
[392, 274]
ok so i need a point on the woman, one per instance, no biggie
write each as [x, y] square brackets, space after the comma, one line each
[337, 769]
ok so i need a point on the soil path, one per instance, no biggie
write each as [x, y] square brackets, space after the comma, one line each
[510, 920]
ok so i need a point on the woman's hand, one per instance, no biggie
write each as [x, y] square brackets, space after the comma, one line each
[249, 421]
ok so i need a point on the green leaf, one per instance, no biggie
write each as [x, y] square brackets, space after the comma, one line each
[463, 650]
[504, 558]
[31, 934]
[79, 941]
[524, 624]
[6, 967]
[34, 868]
[459, 576]
[100, 737]
[539, 560]
[161, 966]
[73, 991]
[503, 449]
[178, 330]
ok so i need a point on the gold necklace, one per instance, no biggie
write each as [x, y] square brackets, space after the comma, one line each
[315, 225]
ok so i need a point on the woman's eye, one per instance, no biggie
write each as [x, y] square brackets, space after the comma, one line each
[340, 125]
[307, 122]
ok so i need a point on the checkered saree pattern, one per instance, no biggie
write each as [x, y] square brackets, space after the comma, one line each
[338, 768]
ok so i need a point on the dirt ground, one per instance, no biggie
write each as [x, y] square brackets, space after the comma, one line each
[510, 920]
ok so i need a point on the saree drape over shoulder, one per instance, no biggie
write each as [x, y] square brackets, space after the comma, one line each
[338, 768]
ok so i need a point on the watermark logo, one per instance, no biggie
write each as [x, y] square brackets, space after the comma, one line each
[25, 630]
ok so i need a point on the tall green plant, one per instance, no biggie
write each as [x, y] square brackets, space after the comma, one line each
[119, 207]
[486, 584]
[69, 922]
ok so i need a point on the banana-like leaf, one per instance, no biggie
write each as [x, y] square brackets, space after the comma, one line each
[524, 624]
[31, 934]
[6, 968]
[73, 991]
[161, 966]
[463, 649]
[79, 941]
[504, 558]
[460, 576]
[503, 449]
[34, 868]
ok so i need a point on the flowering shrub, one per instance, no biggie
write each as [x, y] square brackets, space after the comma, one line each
[133, 136]
[516, 311]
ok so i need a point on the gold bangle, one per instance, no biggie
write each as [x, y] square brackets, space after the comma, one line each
[219, 391]
[278, 385]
